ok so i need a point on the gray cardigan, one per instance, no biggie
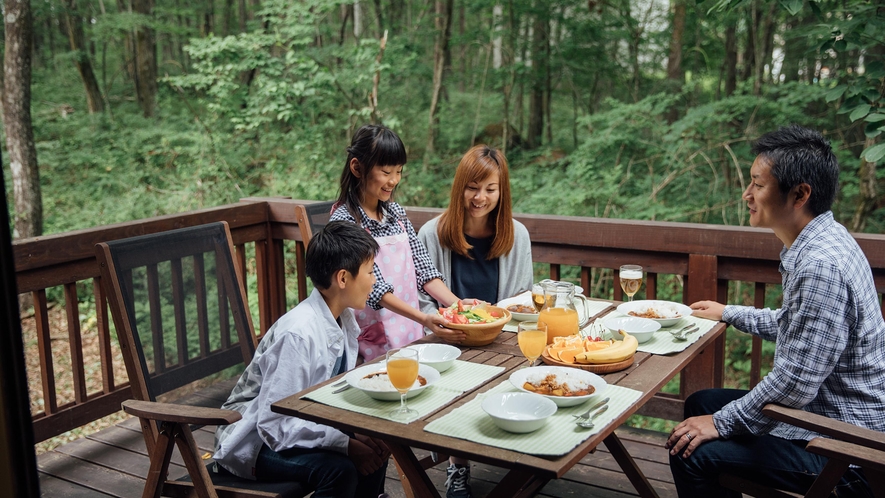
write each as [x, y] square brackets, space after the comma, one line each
[514, 271]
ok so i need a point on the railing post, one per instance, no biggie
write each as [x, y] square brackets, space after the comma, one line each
[705, 371]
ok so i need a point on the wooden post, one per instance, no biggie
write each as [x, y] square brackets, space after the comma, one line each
[701, 284]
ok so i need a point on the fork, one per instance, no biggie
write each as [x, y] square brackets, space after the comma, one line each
[680, 335]
[586, 415]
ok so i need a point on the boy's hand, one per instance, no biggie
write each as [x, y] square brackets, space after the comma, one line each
[377, 445]
[437, 324]
[363, 457]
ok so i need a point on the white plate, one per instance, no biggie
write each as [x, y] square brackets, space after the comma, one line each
[680, 310]
[518, 378]
[524, 299]
[353, 377]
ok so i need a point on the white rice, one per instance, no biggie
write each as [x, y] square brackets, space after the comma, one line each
[665, 311]
[381, 383]
[573, 381]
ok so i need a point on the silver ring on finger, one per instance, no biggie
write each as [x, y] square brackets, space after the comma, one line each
[689, 436]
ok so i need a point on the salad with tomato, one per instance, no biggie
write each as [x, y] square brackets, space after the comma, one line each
[464, 312]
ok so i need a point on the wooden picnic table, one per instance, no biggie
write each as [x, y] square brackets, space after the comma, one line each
[527, 473]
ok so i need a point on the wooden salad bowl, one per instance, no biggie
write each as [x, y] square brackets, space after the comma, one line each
[480, 334]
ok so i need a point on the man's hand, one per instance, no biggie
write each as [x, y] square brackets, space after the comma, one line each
[708, 309]
[366, 458]
[437, 324]
[690, 434]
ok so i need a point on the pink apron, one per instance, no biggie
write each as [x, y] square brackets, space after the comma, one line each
[383, 329]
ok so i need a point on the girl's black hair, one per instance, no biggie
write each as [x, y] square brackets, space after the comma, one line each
[372, 145]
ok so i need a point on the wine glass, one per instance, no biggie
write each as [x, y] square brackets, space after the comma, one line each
[532, 338]
[538, 297]
[631, 279]
[402, 370]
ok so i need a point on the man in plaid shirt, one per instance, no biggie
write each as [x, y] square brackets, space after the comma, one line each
[830, 353]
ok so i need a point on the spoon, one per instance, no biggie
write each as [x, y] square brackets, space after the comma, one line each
[588, 424]
[680, 335]
[586, 415]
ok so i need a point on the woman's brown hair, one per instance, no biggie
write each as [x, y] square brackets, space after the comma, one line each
[478, 164]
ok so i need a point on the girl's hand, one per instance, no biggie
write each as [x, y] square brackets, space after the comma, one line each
[437, 324]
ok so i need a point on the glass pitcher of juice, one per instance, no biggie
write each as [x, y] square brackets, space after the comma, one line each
[560, 313]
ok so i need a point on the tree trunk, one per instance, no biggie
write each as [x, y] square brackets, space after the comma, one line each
[243, 15]
[357, 20]
[539, 75]
[766, 49]
[793, 53]
[675, 73]
[750, 48]
[443, 22]
[84, 66]
[17, 120]
[867, 200]
[731, 59]
[145, 61]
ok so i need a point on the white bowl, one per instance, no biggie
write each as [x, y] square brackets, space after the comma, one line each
[524, 299]
[518, 412]
[674, 311]
[439, 356]
[430, 374]
[519, 377]
[643, 329]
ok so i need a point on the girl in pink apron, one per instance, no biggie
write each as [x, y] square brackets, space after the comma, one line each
[392, 317]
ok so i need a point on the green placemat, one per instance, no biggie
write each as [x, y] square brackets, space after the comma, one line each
[559, 436]
[662, 342]
[462, 377]
[593, 308]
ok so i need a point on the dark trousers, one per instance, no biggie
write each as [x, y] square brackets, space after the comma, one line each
[768, 460]
[328, 473]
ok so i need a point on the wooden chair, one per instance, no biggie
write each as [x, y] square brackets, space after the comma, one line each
[849, 445]
[174, 297]
[312, 217]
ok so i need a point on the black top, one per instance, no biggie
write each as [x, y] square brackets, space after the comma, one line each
[477, 277]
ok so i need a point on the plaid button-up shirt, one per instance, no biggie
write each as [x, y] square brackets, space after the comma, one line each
[425, 271]
[830, 353]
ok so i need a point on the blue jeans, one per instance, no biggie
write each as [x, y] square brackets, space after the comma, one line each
[768, 460]
[328, 473]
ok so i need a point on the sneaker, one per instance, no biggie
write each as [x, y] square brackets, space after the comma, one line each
[458, 481]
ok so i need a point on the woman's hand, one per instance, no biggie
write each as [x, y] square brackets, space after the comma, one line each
[437, 324]
[691, 433]
[708, 309]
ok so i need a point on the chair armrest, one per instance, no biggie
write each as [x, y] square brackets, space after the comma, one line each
[867, 458]
[836, 429]
[182, 414]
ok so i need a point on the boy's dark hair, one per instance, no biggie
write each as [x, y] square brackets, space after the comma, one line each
[371, 145]
[799, 155]
[339, 245]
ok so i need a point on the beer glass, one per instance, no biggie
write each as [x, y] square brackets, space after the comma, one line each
[631, 279]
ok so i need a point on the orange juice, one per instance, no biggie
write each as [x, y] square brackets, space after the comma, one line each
[402, 373]
[560, 321]
[532, 343]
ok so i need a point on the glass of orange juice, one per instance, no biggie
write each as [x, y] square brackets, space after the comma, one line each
[402, 370]
[532, 338]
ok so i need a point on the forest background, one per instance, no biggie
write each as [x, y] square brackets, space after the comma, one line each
[640, 109]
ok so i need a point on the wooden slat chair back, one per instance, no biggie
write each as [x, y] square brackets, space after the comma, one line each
[846, 444]
[179, 308]
[312, 217]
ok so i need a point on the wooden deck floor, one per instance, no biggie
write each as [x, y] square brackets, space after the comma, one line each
[113, 462]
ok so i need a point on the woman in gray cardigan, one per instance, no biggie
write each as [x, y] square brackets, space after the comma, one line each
[479, 248]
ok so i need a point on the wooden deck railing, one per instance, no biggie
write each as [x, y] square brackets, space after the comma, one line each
[702, 259]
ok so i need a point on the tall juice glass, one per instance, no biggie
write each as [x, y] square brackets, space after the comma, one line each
[402, 370]
[532, 338]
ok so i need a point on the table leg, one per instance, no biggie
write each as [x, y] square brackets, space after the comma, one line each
[518, 483]
[415, 476]
[637, 478]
